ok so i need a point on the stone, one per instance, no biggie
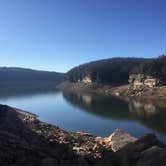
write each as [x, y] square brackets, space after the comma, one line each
[140, 81]
[139, 151]
[153, 156]
[119, 139]
[49, 162]
[87, 79]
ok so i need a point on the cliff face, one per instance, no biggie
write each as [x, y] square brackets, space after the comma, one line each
[87, 79]
[27, 141]
[140, 81]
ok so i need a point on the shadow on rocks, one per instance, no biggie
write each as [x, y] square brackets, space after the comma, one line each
[20, 145]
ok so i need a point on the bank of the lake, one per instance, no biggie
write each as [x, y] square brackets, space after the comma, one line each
[25, 140]
[157, 93]
[70, 111]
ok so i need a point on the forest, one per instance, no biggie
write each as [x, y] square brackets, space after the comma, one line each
[21, 78]
[117, 70]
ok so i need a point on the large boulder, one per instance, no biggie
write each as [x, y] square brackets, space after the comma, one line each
[118, 139]
[146, 151]
[153, 156]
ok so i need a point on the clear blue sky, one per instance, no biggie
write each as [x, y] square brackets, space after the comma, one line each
[59, 34]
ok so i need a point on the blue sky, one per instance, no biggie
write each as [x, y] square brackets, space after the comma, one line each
[57, 35]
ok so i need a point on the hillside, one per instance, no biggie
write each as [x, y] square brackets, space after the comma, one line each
[20, 77]
[116, 70]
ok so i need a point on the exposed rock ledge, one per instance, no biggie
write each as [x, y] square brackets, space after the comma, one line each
[24, 140]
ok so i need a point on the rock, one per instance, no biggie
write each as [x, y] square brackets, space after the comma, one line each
[82, 161]
[119, 139]
[49, 162]
[153, 156]
[140, 151]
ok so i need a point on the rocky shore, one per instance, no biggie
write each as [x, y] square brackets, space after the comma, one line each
[25, 140]
[156, 93]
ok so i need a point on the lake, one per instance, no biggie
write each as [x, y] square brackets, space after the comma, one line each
[99, 115]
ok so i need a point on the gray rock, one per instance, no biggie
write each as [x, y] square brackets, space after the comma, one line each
[141, 152]
[153, 156]
[49, 162]
[119, 139]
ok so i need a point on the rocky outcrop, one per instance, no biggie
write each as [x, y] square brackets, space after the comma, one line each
[27, 141]
[146, 151]
[119, 139]
[156, 93]
[87, 79]
[140, 81]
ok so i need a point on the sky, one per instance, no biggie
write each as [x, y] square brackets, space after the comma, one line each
[57, 35]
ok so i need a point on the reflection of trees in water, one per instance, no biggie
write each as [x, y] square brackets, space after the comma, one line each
[149, 114]
[110, 107]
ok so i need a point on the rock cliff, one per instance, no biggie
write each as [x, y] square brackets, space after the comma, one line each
[140, 81]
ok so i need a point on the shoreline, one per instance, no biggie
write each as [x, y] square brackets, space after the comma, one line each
[25, 113]
[29, 138]
[121, 91]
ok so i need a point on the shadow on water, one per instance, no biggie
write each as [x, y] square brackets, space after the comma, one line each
[147, 113]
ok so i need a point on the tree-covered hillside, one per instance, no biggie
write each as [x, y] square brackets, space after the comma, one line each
[10, 76]
[117, 70]
[155, 67]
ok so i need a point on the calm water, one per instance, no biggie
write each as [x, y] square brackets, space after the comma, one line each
[91, 113]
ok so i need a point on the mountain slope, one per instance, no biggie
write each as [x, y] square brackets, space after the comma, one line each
[11, 76]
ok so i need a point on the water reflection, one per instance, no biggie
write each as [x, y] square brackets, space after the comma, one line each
[150, 114]
[107, 107]
[99, 115]
[147, 112]
[143, 108]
